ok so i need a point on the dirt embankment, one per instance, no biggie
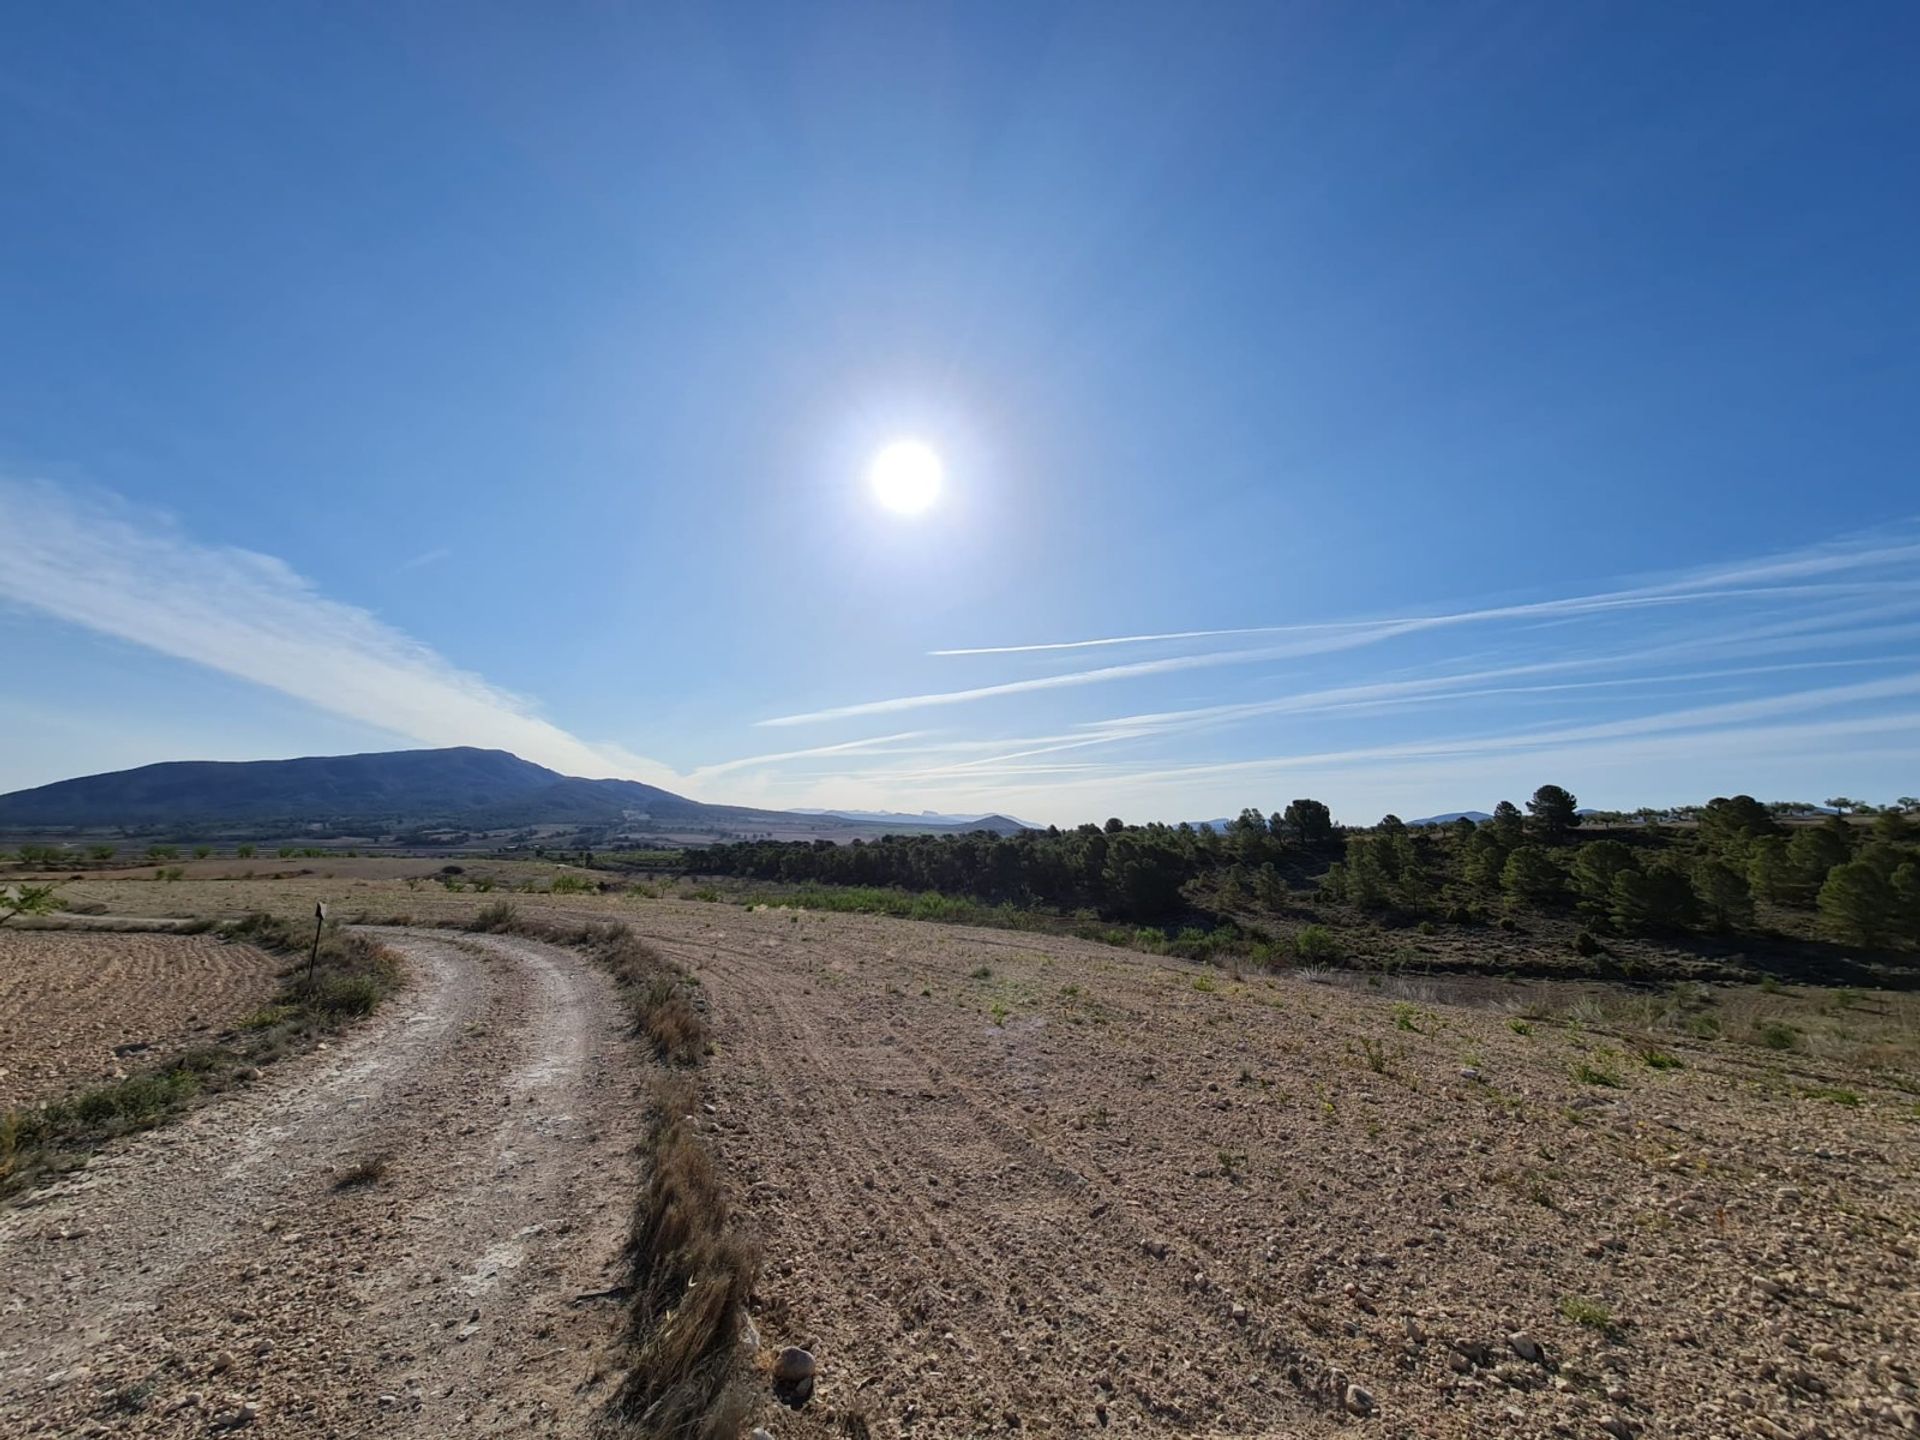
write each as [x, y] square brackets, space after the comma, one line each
[217, 1273]
[80, 1009]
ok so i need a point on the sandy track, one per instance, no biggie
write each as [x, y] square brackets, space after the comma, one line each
[212, 1269]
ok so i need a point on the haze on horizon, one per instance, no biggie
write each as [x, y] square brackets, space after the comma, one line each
[1059, 411]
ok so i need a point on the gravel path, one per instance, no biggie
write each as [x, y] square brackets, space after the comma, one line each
[213, 1274]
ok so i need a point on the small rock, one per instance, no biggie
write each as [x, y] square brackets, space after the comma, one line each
[1469, 1072]
[1616, 1427]
[792, 1365]
[761, 1434]
[222, 1361]
[1358, 1400]
[1416, 1332]
[1239, 1314]
[1524, 1345]
[1156, 1248]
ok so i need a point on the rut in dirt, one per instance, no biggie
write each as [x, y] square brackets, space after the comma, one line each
[219, 1272]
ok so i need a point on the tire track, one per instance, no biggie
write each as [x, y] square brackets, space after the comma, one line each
[212, 1272]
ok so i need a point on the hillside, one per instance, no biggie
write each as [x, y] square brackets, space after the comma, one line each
[478, 789]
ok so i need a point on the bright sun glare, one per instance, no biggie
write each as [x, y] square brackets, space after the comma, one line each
[906, 477]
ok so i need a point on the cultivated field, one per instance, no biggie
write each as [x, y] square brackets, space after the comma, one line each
[1009, 1183]
[77, 1009]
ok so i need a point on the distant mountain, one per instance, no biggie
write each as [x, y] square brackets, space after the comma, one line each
[474, 789]
[1479, 817]
[927, 817]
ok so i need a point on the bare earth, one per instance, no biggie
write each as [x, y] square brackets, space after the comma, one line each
[965, 1184]
[69, 1001]
[211, 1274]
[1008, 1184]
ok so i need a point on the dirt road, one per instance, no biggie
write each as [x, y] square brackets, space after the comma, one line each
[215, 1274]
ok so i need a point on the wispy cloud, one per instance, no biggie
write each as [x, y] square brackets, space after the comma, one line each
[424, 558]
[96, 562]
[1342, 636]
[1724, 582]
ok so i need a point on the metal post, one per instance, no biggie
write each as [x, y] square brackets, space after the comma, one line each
[313, 956]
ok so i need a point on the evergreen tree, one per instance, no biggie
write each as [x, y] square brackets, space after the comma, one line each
[1906, 901]
[1657, 898]
[1856, 904]
[1310, 821]
[1531, 878]
[1555, 812]
[1594, 870]
[1772, 874]
[1731, 826]
[1815, 850]
[1723, 894]
[1507, 826]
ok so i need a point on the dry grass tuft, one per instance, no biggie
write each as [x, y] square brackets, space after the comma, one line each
[692, 1276]
[691, 1273]
[368, 1171]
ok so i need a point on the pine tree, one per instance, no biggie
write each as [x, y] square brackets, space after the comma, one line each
[1856, 904]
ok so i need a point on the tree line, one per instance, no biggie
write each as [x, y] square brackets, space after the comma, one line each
[1860, 883]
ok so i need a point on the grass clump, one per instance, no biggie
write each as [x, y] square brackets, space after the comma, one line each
[1589, 1313]
[692, 1276]
[1588, 1073]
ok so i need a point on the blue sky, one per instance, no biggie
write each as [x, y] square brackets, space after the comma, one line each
[381, 376]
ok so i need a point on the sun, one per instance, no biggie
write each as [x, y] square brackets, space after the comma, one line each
[906, 476]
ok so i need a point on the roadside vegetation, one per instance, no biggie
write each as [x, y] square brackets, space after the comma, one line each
[690, 1272]
[350, 976]
[1820, 895]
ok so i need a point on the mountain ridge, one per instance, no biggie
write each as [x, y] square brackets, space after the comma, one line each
[473, 787]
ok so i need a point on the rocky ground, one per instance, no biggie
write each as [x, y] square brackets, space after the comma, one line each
[386, 1236]
[1018, 1187]
[1015, 1184]
[79, 1009]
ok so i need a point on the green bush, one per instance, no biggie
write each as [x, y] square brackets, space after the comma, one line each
[1316, 945]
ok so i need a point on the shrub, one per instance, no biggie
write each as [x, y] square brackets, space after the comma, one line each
[1585, 944]
[494, 918]
[1317, 945]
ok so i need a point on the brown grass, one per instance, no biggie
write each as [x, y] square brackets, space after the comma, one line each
[691, 1276]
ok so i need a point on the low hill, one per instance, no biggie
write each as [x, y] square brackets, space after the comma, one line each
[476, 789]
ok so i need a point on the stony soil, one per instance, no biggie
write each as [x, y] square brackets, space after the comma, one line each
[79, 1009]
[215, 1274]
[1013, 1184]
[1087, 1189]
